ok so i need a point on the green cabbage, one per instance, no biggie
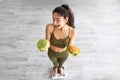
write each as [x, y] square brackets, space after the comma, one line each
[43, 44]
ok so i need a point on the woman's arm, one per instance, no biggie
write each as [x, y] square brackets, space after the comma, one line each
[72, 36]
[48, 32]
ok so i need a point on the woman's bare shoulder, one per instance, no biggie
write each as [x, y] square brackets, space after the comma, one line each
[72, 31]
[49, 27]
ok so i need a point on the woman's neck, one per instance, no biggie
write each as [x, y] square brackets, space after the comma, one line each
[64, 28]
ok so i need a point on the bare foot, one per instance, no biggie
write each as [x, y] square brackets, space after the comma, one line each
[54, 73]
[61, 71]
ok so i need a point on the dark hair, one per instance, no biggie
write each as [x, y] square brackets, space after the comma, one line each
[65, 11]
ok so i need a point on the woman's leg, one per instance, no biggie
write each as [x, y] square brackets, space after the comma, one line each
[63, 58]
[54, 60]
[61, 62]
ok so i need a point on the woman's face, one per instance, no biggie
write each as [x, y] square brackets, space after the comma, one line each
[58, 20]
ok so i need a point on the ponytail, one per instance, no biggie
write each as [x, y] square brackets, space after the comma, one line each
[65, 11]
[71, 15]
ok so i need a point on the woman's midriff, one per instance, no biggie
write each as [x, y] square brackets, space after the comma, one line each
[57, 49]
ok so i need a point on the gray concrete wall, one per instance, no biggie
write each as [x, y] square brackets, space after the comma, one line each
[22, 24]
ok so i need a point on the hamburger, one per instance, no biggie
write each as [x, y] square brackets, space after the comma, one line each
[74, 50]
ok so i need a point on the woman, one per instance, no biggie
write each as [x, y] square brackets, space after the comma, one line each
[61, 34]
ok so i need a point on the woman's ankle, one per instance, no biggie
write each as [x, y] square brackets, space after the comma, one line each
[55, 70]
[61, 69]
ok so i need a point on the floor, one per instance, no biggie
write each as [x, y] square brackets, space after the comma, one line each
[23, 22]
